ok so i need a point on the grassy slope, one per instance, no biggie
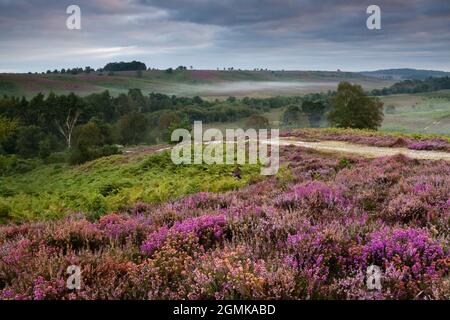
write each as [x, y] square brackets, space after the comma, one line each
[420, 113]
[196, 82]
[111, 183]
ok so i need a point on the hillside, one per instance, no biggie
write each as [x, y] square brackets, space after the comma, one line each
[405, 74]
[207, 83]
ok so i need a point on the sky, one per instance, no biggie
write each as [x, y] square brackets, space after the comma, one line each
[210, 34]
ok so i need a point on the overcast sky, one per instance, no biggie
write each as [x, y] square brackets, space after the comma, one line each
[274, 34]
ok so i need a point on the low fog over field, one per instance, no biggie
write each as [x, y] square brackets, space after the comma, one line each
[255, 88]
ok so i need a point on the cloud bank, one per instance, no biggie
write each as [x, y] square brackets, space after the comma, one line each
[275, 34]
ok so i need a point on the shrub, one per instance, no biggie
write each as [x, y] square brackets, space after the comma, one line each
[410, 257]
[5, 213]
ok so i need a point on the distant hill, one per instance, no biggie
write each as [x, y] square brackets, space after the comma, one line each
[405, 74]
[206, 83]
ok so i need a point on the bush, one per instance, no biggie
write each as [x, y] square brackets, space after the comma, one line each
[132, 128]
[58, 157]
[257, 122]
[12, 164]
[28, 141]
[5, 213]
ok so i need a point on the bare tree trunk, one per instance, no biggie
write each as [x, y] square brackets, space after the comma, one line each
[67, 129]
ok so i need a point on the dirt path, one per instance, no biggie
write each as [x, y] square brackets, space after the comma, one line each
[363, 150]
[358, 149]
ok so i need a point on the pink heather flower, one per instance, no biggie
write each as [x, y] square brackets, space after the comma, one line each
[154, 241]
[411, 247]
[436, 144]
[312, 193]
[199, 226]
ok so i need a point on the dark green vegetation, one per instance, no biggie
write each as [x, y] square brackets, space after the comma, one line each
[85, 128]
[415, 86]
[109, 184]
[125, 66]
[405, 74]
[352, 108]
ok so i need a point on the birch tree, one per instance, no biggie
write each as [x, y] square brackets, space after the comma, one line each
[66, 128]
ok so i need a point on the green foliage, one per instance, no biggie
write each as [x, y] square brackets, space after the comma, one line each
[28, 141]
[293, 115]
[133, 128]
[257, 122]
[7, 127]
[177, 125]
[111, 183]
[315, 110]
[58, 157]
[352, 108]
[125, 66]
[415, 86]
[13, 165]
[5, 213]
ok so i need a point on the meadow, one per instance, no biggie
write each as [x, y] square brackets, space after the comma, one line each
[205, 83]
[310, 232]
[421, 113]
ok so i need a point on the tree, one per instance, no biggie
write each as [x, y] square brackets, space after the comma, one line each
[7, 127]
[315, 110]
[66, 128]
[293, 115]
[257, 121]
[352, 108]
[88, 135]
[132, 128]
[125, 66]
[68, 115]
[89, 143]
[28, 139]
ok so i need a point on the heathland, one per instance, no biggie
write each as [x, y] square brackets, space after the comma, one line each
[141, 227]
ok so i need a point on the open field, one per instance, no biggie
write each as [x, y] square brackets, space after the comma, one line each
[206, 83]
[421, 113]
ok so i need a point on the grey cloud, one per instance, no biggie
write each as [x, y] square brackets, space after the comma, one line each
[210, 33]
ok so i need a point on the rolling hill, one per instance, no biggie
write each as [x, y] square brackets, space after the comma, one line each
[207, 83]
[405, 74]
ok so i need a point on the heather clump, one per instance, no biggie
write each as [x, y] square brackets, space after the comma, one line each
[233, 273]
[419, 199]
[123, 228]
[320, 254]
[207, 229]
[434, 144]
[315, 198]
[411, 259]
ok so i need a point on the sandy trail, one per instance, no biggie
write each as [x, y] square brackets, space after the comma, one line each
[364, 150]
[357, 149]
[353, 148]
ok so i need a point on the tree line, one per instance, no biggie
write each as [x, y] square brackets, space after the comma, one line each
[85, 128]
[77, 129]
[415, 86]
